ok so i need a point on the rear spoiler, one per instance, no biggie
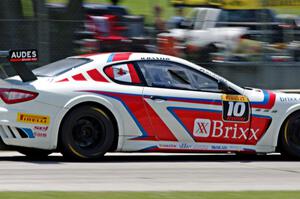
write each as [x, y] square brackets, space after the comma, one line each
[18, 59]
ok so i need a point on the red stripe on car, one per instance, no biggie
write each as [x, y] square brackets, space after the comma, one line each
[133, 74]
[63, 80]
[109, 71]
[161, 130]
[269, 104]
[121, 56]
[79, 77]
[96, 75]
[91, 54]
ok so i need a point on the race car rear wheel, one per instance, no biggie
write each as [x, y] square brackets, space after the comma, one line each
[86, 133]
[290, 137]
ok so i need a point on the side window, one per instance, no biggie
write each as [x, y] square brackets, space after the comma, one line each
[123, 73]
[166, 74]
[155, 73]
[203, 82]
[180, 78]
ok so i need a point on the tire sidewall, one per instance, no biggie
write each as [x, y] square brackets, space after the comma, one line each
[68, 146]
[289, 149]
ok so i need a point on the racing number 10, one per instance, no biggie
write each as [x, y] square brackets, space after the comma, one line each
[235, 108]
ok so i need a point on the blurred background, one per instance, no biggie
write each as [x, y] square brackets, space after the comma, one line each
[251, 42]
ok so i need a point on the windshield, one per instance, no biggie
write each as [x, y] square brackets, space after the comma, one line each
[246, 15]
[59, 67]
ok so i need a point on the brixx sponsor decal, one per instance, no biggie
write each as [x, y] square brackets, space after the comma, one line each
[201, 127]
[289, 99]
[33, 119]
[217, 129]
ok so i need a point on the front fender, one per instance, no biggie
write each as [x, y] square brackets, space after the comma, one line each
[292, 109]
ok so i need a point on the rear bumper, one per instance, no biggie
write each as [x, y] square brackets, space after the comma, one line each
[29, 125]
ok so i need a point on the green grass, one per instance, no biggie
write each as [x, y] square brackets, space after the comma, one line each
[144, 7]
[150, 195]
[295, 11]
[137, 7]
[27, 8]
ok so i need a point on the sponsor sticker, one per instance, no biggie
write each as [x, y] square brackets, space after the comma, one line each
[179, 145]
[235, 108]
[23, 56]
[235, 98]
[40, 128]
[33, 119]
[219, 129]
[156, 58]
[40, 134]
[201, 127]
[289, 99]
[219, 147]
[40, 131]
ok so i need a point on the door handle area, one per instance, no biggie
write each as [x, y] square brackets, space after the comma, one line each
[159, 98]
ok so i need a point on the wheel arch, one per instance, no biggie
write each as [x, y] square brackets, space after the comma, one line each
[104, 105]
[292, 111]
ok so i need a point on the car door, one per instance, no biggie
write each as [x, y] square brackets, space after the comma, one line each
[187, 106]
[128, 91]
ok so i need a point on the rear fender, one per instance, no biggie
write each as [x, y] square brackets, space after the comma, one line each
[85, 99]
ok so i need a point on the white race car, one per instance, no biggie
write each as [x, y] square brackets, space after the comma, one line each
[85, 106]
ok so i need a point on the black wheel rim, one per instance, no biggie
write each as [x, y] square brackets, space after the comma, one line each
[88, 133]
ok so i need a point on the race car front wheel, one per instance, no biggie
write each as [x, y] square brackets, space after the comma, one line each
[87, 133]
[290, 137]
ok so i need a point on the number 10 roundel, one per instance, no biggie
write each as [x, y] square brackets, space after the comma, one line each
[235, 108]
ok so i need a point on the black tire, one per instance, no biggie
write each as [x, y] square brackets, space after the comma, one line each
[87, 133]
[35, 154]
[290, 137]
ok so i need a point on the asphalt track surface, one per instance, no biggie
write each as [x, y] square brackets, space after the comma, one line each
[150, 172]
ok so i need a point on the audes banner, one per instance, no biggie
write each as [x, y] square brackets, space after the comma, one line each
[23, 55]
[240, 4]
